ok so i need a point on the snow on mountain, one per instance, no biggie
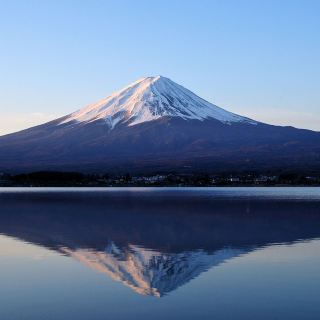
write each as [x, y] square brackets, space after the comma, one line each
[151, 98]
[150, 272]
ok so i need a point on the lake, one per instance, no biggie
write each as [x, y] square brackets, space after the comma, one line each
[160, 253]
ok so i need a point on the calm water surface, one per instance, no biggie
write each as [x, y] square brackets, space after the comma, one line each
[165, 253]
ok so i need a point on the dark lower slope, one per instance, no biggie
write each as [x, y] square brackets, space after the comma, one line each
[161, 145]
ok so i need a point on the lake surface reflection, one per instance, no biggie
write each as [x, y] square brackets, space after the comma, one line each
[223, 253]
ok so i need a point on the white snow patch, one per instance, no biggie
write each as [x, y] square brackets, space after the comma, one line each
[151, 98]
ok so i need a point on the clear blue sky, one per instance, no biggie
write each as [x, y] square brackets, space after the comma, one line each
[257, 58]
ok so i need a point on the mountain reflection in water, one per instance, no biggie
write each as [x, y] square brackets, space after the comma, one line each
[154, 242]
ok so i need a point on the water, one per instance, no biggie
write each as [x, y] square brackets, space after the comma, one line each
[166, 253]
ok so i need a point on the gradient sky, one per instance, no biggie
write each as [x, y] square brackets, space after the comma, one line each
[257, 58]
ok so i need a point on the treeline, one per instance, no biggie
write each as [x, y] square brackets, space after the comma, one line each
[76, 179]
[48, 178]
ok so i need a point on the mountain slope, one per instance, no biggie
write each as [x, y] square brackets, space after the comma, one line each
[155, 124]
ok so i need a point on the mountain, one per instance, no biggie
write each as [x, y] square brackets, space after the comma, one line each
[153, 125]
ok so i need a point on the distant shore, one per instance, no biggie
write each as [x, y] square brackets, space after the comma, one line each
[75, 179]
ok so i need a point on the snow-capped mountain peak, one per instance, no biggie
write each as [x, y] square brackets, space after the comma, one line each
[148, 99]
